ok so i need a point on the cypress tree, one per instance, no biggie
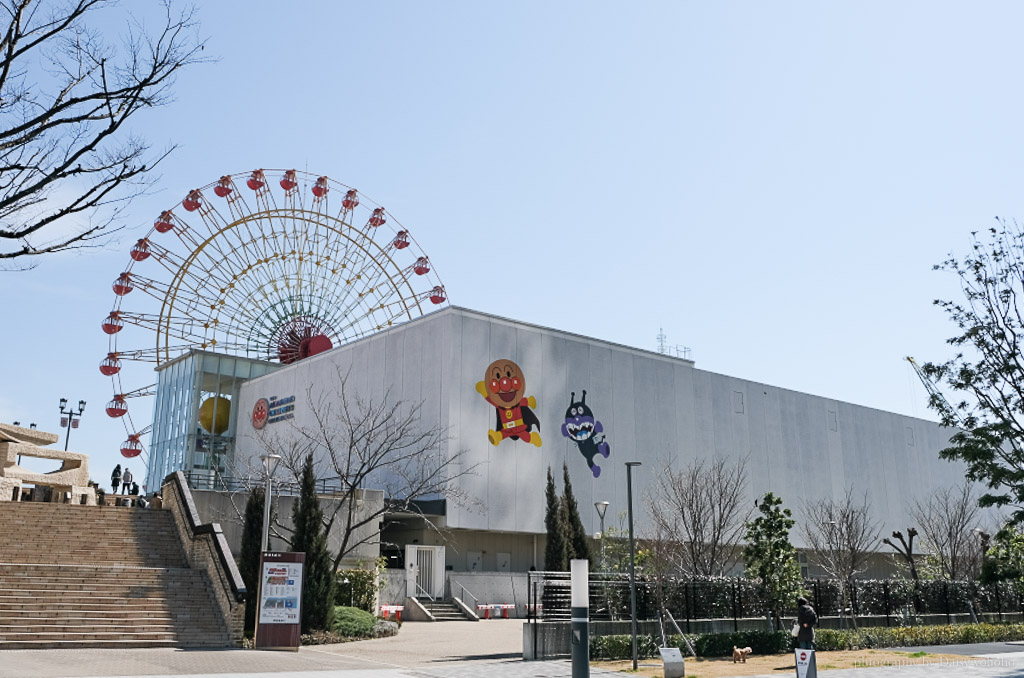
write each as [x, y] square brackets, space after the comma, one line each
[249, 556]
[555, 551]
[309, 537]
[577, 546]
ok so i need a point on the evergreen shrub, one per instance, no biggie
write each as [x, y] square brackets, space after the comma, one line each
[352, 622]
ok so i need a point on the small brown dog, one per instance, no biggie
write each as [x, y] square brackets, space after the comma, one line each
[740, 654]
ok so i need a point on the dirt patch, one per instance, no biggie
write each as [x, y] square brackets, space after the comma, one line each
[779, 664]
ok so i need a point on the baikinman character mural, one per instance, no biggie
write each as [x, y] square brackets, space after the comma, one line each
[581, 427]
[504, 387]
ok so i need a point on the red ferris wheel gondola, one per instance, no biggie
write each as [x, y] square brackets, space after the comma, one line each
[140, 252]
[110, 365]
[256, 180]
[223, 187]
[163, 222]
[351, 200]
[320, 188]
[117, 407]
[113, 323]
[192, 201]
[289, 182]
[123, 284]
[377, 218]
[132, 447]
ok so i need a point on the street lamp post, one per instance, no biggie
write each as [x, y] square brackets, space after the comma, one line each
[602, 508]
[69, 418]
[270, 465]
[632, 554]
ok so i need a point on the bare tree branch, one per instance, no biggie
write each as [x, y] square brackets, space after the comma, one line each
[698, 515]
[65, 96]
[842, 535]
[948, 520]
[366, 444]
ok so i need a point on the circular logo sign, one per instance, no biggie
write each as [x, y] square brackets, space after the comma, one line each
[259, 414]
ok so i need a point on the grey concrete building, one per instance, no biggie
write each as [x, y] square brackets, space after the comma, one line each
[653, 408]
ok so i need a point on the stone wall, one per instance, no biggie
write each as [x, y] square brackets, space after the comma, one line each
[207, 549]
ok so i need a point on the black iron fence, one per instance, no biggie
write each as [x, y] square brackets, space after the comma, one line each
[891, 602]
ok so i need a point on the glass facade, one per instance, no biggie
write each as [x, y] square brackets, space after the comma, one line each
[193, 422]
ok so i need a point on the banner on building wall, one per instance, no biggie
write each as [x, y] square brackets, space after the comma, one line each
[582, 427]
[504, 387]
[272, 410]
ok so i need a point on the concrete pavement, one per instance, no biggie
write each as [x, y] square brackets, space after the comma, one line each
[420, 650]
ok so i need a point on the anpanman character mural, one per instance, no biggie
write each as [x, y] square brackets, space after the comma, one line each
[504, 387]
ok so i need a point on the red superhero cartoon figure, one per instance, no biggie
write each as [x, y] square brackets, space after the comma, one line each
[504, 387]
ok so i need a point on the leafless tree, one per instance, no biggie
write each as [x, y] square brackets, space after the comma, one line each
[948, 520]
[369, 444]
[905, 550]
[68, 164]
[700, 511]
[842, 535]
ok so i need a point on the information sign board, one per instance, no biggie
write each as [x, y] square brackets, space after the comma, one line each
[280, 601]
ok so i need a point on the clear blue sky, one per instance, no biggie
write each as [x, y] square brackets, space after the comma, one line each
[769, 182]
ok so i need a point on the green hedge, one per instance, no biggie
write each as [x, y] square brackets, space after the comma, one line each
[761, 642]
[705, 644]
[913, 636]
[353, 622]
[779, 642]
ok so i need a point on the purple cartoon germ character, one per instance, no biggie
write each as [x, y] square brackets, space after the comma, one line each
[581, 428]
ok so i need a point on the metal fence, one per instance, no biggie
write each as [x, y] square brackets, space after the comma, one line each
[892, 602]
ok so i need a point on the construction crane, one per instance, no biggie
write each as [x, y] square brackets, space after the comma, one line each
[933, 390]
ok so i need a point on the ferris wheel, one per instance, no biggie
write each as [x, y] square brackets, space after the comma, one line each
[270, 264]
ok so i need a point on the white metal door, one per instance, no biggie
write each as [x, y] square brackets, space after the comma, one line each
[425, 570]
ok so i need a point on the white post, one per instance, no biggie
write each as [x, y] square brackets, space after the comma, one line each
[580, 614]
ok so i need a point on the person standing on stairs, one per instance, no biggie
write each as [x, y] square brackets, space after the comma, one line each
[115, 478]
[126, 481]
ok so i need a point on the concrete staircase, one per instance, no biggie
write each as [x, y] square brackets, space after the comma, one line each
[443, 610]
[99, 576]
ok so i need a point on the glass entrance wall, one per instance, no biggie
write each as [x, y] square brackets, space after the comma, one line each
[194, 423]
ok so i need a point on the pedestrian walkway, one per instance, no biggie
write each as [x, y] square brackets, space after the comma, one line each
[421, 650]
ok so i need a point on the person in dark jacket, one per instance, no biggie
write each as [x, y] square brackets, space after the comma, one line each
[807, 618]
[115, 478]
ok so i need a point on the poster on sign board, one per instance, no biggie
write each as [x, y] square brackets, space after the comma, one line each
[279, 618]
[806, 666]
[280, 593]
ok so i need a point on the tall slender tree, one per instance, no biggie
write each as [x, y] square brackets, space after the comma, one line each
[578, 547]
[771, 558]
[249, 557]
[555, 552]
[311, 537]
[986, 371]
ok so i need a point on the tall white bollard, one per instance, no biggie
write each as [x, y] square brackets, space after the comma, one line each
[580, 612]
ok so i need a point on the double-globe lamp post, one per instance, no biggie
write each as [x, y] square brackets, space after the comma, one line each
[270, 465]
[69, 418]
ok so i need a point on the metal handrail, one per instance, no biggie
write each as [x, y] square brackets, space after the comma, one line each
[476, 601]
[424, 591]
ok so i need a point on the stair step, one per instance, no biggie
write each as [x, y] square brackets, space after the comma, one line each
[77, 576]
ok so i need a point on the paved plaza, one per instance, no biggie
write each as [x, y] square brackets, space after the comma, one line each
[421, 650]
